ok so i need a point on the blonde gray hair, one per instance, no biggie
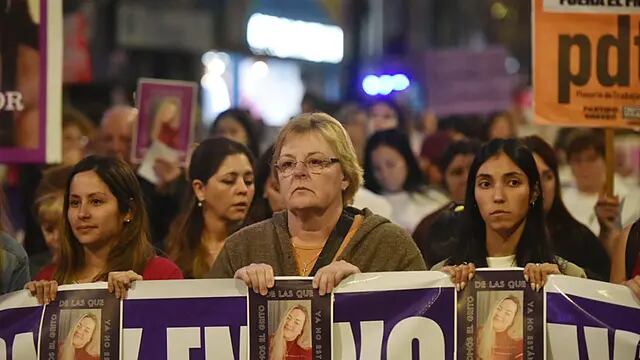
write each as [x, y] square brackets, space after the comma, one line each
[336, 136]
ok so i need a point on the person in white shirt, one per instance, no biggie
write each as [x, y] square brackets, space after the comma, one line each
[585, 154]
[392, 171]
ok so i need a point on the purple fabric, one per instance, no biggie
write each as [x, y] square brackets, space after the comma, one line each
[394, 306]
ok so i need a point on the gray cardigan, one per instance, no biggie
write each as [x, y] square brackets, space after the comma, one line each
[378, 245]
[14, 264]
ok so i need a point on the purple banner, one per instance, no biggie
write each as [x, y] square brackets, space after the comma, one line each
[19, 332]
[591, 329]
[385, 324]
[187, 328]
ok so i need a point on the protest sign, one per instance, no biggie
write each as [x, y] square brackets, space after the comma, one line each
[31, 81]
[500, 313]
[82, 322]
[586, 63]
[408, 315]
[292, 320]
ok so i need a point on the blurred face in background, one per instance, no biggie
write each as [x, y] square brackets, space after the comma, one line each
[589, 170]
[382, 117]
[50, 218]
[74, 144]
[272, 194]
[231, 128]
[116, 132]
[455, 177]
[501, 128]
[390, 168]
[548, 182]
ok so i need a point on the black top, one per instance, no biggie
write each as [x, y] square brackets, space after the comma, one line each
[576, 243]
[437, 239]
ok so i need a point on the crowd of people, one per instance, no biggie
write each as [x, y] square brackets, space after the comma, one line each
[331, 197]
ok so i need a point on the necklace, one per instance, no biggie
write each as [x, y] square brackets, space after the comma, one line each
[306, 264]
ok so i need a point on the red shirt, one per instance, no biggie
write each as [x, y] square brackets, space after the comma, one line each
[158, 268]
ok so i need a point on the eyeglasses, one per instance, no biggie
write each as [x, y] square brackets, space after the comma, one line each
[314, 165]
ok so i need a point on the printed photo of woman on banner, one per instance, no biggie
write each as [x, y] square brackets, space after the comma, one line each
[497, 312]
[281, 323]
[30, 63]
[83, 323]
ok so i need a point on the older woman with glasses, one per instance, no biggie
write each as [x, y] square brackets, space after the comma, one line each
[318, 234]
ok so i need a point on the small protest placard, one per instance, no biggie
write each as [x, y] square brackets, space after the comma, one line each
[291, 322]
[500, 317]
[82, 323]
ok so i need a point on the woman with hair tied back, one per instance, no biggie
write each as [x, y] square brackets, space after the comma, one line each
[503, 224]
[105, 235]
[222, 187]
[318, 234]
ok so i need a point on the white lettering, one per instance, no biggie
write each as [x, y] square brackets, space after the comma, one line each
[426, 331]
[625, 345]
[563, 342]
[131, 339]
[180, 340]
[597, 342]
[217, 342]
[344, 346]
[371, 339]
[14, 101]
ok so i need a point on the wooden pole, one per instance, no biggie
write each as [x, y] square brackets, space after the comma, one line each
[610, 158]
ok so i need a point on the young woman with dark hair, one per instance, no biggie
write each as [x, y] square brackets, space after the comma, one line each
[105, 235]
[385, 114]
[236, 124]
[222, 188]
[503, 221]
[391, 170]
[571, 239]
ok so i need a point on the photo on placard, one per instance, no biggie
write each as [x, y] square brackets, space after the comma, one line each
[80, 332]
[166, 114]
[499, 325]
[500, 317]
[289, 329]
[291, 322]
[81, 324]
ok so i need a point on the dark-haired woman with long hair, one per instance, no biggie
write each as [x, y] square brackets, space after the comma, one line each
[571, 240]
[105, 234]
[392, 171]
[503, 221]
[222, 184]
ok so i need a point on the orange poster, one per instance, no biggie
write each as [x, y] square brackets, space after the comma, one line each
[586, 56]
